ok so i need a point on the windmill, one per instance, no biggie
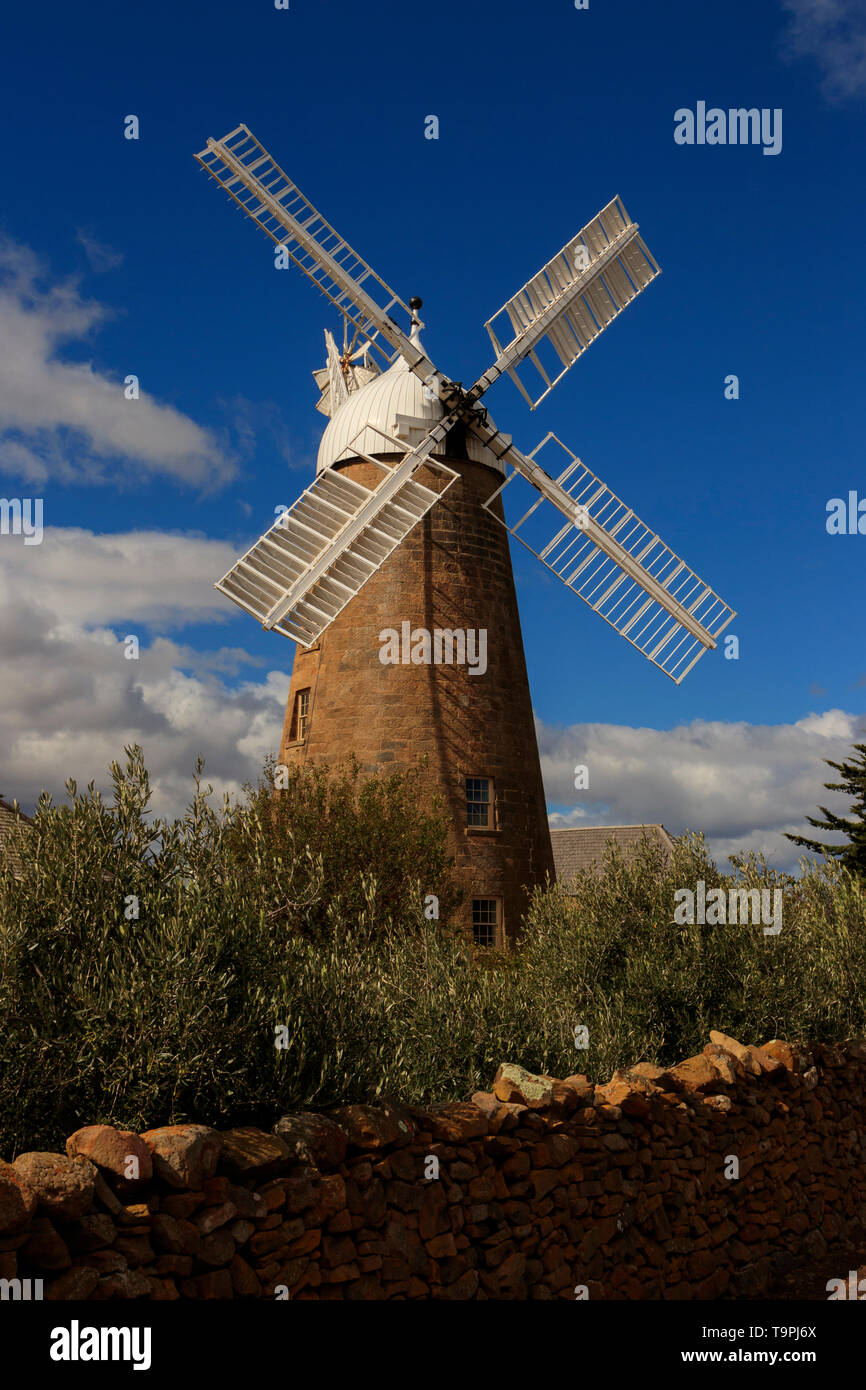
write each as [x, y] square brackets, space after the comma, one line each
[355, 524]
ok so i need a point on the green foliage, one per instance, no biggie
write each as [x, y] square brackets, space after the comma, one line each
[304, 912]
[852, 852]
[355, 849]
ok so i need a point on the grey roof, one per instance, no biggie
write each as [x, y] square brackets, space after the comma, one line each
[11, 831]
[582, 847]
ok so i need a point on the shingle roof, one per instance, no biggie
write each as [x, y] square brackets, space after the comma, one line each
[582, 847]
[11, 831]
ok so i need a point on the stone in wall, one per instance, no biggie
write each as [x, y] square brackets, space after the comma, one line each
[540, 1188]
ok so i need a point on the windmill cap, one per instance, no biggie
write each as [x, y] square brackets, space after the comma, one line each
[397, 403]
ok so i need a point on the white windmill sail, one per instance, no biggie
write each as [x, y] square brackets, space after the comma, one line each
[320, 553]
[569, 302]
[243, 167]
[313, 561]
[613, 561]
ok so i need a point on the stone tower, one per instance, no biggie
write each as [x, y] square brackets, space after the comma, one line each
[471, 717]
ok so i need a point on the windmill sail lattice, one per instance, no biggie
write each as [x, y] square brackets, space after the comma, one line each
[318, 555]
[243, 167]
[572, 299]
[619, 566]
[315, 558]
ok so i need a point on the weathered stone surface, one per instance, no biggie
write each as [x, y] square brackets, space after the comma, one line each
[506, 1116]
[105, 1196]
[314, 1139]
[134, 1214]
[91, 1232]
[76, 1283]
[163, 1289]
[181, 1204]
[127, 1284]
[219, 1189]
[719, 1102]
[175, 1235]
[737, 1050]
[515, 1085]
[698, 1074]
[632, 1094]
[213, 1217]
[115, 1151]
[581, 1085]
[44, 1247]
[452, 1123]
[486, 1102]
[17, 1201]
[373, 1126]
[245, 1281]
[566, 1099]
[247, 1151]
[103, 1261]
[782, 1052]
[731, 1070]
[217, 1249]
[216, 1284]
[620, 1187]
[767, 1060]
[63, 1187]
[648, 1071]
[329, 1197]
[184, 1156]
[136, 1249]
[174, 1265]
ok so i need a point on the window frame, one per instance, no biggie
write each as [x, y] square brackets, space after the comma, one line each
[497, 936]
[490, 803]
[300, 720]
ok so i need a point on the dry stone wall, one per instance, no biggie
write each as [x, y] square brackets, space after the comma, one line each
[698, 1182]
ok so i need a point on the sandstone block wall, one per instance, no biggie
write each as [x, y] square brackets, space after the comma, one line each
[534, 1190]
[452, 571]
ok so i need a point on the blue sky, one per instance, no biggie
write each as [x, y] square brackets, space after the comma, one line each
[545, 113]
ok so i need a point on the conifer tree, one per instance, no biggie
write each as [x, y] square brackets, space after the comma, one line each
[852, 854]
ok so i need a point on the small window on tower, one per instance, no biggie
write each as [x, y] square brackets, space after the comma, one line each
[300, 716]
[479, 802]
[485, 921]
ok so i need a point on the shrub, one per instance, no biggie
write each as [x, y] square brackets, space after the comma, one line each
[304, 914]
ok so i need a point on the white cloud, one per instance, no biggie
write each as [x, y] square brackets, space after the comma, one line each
[101, 256]
[79, 577]
[742, 784]
[70, 701]
[70, 698]
[65, 419]
[833, 32]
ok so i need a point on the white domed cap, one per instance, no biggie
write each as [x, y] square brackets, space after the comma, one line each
[397, 403]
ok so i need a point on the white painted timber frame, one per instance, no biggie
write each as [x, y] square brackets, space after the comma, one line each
[274, 587]
[541, 310]
[241, 163]
[715, 614]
